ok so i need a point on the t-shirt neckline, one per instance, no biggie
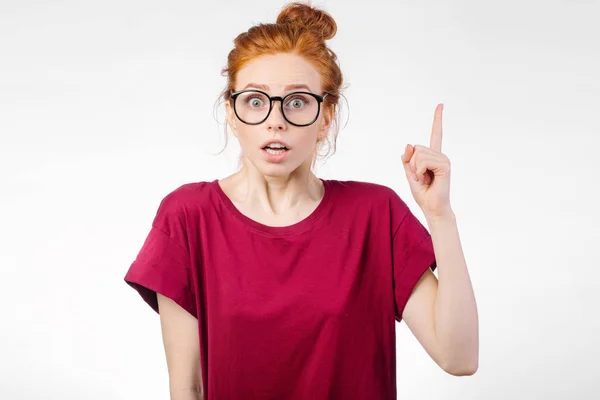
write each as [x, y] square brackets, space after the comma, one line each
[295, 228]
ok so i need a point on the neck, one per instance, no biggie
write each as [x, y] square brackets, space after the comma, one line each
[277, 194]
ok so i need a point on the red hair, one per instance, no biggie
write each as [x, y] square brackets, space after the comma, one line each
[300, 29]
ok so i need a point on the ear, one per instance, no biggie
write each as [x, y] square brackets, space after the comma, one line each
[327, 120]
[231, 118]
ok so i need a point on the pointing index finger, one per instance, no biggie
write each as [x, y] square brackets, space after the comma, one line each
[436, 130]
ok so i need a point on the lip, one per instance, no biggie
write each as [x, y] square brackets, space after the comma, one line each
[268, 142]
[276, 158]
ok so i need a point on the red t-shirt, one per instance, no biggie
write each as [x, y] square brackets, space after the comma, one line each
[305, 311]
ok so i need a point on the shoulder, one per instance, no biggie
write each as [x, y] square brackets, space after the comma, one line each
[368, 193]
[181, 205]
[187, 192]
[376, 201]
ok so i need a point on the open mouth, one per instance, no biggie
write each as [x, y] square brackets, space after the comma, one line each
[275, 150]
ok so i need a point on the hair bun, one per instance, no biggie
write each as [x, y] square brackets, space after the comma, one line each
[305, 17]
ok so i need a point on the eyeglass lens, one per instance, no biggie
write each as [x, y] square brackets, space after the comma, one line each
[252, 107]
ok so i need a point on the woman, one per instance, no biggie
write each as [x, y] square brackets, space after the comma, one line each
[275, 284]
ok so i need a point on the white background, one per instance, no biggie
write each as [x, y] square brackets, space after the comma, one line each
[107, 106]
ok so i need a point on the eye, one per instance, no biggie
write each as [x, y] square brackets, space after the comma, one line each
[297, 101]
[254, 101]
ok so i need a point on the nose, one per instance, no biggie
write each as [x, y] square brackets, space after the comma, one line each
[275, 121]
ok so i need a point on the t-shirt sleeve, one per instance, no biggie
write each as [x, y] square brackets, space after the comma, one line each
[163, 263]
[413, 254]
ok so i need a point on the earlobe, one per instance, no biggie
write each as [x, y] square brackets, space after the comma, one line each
[322, 135]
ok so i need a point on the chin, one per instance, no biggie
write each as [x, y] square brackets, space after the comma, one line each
[280, 168]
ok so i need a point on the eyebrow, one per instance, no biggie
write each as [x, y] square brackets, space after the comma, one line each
[288, 87]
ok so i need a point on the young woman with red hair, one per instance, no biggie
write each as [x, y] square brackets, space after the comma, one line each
[273, 283]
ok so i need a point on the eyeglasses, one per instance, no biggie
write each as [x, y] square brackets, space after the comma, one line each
[253, 107]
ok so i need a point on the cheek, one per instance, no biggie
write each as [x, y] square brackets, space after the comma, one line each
[307, 140]
[247, 137]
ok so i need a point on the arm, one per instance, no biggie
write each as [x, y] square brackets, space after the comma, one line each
[181, 342]
[443, 315]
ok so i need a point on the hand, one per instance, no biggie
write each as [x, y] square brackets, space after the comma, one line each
[428, 172]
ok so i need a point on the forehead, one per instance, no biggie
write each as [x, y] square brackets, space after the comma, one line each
[279, 70]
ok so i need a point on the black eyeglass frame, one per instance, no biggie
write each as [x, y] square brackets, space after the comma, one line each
[319, 99]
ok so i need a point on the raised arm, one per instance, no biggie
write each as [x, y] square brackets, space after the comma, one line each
[442, 314]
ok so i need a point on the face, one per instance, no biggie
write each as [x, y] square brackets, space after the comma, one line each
[273, 74]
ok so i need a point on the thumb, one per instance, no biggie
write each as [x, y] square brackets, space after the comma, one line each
[408, 153]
